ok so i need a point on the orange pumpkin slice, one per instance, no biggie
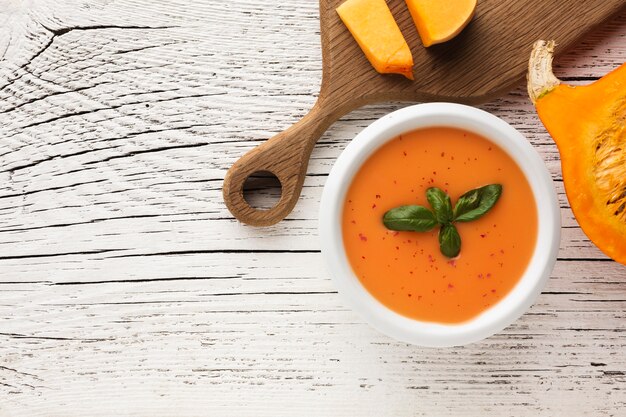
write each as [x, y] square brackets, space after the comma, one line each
[588, 124]
[373, 27]
[438, 21]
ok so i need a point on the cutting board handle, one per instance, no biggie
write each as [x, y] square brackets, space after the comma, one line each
[285, 155]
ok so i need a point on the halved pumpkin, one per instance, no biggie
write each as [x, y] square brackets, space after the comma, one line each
[588, 124]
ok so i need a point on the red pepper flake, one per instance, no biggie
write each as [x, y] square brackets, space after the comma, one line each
[452, 263]
[483, 235]
[419, 297]
[404, 152]
[397, 247]
[434, 172]
[430, 258]
[493, 290]
[362, 257]
[492, 254]
[349, 201]
[502, 251]
[484, 295]
[395, 182]
[452, 158]
[443, 154]
[373, 206]
[480, 276]
[409, 295]
[353, 221]
[395, 233]
[489, 148]
[501, 264]
[377, 195]
[409, 241]
[489, 275]
[362, 237]
[411, 272]
[450, 285]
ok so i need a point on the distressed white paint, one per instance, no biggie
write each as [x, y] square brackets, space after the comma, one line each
[127, 289]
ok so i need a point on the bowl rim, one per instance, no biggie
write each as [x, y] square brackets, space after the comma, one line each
[509, 308]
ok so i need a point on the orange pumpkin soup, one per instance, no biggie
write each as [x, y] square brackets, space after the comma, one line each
[406, 270]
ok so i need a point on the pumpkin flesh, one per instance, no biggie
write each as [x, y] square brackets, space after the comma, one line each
[438, 21]
[373, 27]
[588, 124]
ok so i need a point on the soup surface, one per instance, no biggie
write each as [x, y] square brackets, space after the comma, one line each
[406, 270]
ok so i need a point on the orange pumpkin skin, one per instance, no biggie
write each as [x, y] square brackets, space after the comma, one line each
[588, 124]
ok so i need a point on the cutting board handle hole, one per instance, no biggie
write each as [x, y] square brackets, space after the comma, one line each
[262, 190]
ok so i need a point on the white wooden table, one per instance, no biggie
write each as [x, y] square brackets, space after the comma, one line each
[126, 288]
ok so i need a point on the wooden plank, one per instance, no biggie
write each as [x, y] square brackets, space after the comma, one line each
[282, 330]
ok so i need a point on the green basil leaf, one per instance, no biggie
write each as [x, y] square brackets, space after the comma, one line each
[467, 202]
[441, 204]
[413, 218]
[475, 203]
[449, 241]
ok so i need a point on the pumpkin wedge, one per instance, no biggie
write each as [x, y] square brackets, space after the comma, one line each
[588, 124]
[373, 27]
[438, 21]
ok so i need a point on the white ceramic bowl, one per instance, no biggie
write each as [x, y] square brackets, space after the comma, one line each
[521, 296]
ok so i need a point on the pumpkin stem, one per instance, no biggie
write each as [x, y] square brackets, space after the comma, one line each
[541, 79]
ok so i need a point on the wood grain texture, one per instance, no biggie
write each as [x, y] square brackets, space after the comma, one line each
[126, 288]
[485, 60]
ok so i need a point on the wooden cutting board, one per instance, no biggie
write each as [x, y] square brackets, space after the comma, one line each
[487, 59]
